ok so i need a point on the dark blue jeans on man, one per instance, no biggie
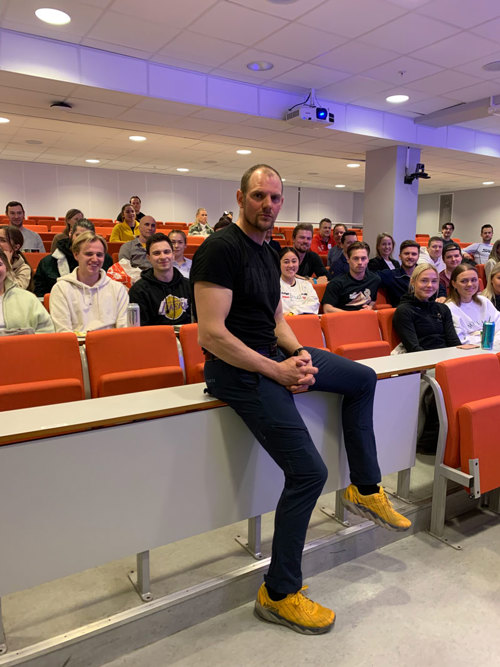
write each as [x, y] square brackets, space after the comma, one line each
[268, 409]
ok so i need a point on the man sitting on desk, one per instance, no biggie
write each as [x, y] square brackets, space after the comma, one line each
[310, 262]
[356, 290]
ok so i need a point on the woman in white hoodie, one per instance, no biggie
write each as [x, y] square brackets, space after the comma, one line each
[468, 309]
[86, 299]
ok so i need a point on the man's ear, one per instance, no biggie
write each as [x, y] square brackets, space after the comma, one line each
[239, 198]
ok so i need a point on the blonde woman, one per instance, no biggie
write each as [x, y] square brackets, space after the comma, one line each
[494, 258]
[492, 291]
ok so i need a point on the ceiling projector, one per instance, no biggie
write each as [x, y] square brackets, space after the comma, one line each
[309, 112]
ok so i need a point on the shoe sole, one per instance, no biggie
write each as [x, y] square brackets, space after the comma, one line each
[265, 614]
[366, 513]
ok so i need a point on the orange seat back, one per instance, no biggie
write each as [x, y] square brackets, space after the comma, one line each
[39, 369]
[122, 361]
[388, 332]
[307, 329]
[354, 335]
[34, 258]
[46, 301]
[481, 273]
[462, 381]
[194, 359]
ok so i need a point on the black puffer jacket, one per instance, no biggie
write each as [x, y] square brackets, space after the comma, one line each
[424, 325]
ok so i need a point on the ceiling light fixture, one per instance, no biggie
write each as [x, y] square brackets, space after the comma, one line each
[182, 169]
[488, 182]
[494, 66]
[340, 185]
[397, 99]
[52, 16]
[34, 142]
[243, 151]
[353, 165]
[92, 160]
[136, 137]
[4, 120]
[260, 66]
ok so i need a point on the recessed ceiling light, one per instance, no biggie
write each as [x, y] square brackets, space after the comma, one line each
[488, 182]
[210, 161]
[353, 165]
[260, 66]
[52, 16]
[243, 151]
[92, 160]
[313, 173]
[397, 99]
[282, 2]
[34, 142]
[283, 180]
[493, 66]
[136, 137]
[182, 169]
[340, 185]
[4, 120]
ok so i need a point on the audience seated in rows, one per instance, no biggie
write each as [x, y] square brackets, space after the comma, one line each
[298, 296]
[135, 200]
[447, 229]
[493, 259]
[341, 265]
[178, 241]
[11, 242]
[421, 322]
[62, 261]
[433, 254]
[135, 251]
[323, 240]
[335, 252]
[452, 257]
[469, 309]
[355, 290]
[201, 226]
[383, 259]
[87, 299]
[14, 210]
[20, 310]
[492, 289]
[72, 216]
[162, 293]
[480, 252]
[310, 262]
[128, 229]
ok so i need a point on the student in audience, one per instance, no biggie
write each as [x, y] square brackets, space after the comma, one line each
[452, 257]
[298, 296]
[201, 226]
[62, 261]
[135, 250]
[334, 253]
[128, 229]
[421, 322]
[178, 241]
[86, 299]
[163, 294]
[492, 290]
[469, 309]
[341, 265]
[32, 241]
[356, 290]
[323, 239]
[384, 259]
[433, 254]
[493, 259]
[72, 216]
[19, 309]
[135, 200]
[222, 222]
[447, 229]
[310, 262]
[11, 241]
[480, 252]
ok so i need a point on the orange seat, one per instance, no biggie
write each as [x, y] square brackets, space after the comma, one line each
[194, 359]
[46, 302]
[481, 274]
[307, 329]
[57, 229]
[123, 361]
[39, 369]
[382, 301]
[34, 258]
[354, 335]
[114, 246]
[195, 240]
[37, 228]
[388, 332]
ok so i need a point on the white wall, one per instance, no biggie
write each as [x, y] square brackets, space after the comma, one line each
[47, 189]
[428, 214]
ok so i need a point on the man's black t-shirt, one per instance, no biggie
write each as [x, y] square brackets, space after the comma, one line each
[312, 265]
[251, 271]
[347, 293]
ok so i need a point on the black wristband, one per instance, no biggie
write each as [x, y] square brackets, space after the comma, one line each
[298, 351]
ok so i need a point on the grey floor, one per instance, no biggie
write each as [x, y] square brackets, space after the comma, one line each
[414, 602]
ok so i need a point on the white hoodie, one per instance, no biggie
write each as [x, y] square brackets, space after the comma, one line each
[77, 307]
[468, 319]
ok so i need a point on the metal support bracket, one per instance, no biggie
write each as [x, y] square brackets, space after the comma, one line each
[337, 514]
[494, 501]
[403, 487]
[253, 543]
[140, 578]
[3, 643]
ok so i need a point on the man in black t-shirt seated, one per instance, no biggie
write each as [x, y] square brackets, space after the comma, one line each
[356, 290]
[311, 263]
[162, 292]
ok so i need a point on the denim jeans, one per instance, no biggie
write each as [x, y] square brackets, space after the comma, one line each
[269, 411]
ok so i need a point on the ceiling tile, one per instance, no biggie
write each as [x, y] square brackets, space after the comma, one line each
[239, 64]
[433, 104]
[444, 81]
[227, 19]
[355, 57]
[199, 49]
[311, 76]
[350, 19]
[402, 70]
[410, 32]
[300, 42]
[351, 89]
[475, 67]
[173, 14]
[457, 50]
[286, 11]
[477, 91]
[464, 13]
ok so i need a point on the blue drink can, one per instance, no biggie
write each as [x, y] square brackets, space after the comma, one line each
[487, 335]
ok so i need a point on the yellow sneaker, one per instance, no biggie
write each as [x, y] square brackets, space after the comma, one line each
[296, 611]
[375, 507]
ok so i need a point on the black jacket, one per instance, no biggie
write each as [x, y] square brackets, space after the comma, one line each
[162, 303]
[424, 325]
[379, 264]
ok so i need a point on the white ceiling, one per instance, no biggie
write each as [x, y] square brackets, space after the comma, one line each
[351, 51]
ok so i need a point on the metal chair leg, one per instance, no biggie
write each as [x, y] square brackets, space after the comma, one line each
[253, 543]
[140, 578]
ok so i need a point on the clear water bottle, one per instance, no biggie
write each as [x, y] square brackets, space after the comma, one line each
[133, 315]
